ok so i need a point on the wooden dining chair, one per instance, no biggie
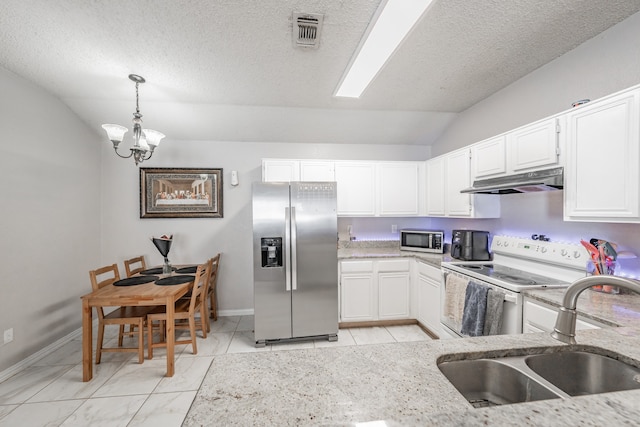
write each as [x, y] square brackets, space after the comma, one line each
[212, 291]
[184, 314]
[121, 316]
[135, 265]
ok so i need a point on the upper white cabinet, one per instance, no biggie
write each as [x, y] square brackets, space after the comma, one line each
[534, 146]
[458, 177]
[356, 188]
[436, 192]
[286, 170]
[365, 188]
[602, 182]
[320, 171]
[280, 170]
[399, 188]
[446, 176]
[489, 157]
[529, 147]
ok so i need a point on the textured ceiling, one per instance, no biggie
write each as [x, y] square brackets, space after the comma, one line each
[227, 69]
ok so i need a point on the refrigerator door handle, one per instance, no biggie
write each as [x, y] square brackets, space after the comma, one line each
[294, 250]
[287, 249]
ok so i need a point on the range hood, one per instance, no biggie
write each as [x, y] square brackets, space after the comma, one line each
[528, 182]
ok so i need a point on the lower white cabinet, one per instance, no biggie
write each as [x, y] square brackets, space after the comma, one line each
[375, 290]
[541, 317]
[428, 289]
[357, 299]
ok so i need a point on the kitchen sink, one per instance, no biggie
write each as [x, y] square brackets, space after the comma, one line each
[490, 382]
[578, 373]
[546, 375]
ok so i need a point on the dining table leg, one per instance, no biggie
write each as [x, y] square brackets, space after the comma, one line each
[87, 341]
[171, 336]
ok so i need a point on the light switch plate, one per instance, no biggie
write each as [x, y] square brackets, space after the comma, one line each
[8, 335]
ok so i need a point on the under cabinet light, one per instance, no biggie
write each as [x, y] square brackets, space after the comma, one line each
[391, 24]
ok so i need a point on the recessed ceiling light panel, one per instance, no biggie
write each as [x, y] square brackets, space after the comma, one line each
[394, 19]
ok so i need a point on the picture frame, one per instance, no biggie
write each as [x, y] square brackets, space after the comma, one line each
[181, 193]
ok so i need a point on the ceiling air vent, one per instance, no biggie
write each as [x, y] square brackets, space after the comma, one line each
[306, 29]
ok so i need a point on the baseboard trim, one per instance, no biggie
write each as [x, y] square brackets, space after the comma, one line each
[240, 312]
[371, 323]
[30, 360]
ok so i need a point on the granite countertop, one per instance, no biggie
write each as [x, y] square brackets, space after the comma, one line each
[399, 383]
[386, 249]
[612, 310]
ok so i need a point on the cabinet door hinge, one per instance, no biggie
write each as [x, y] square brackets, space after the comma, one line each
[558, 127]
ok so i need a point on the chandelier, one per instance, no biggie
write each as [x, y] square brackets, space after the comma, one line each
[144, 140]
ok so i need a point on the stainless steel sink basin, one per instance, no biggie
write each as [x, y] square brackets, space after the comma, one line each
[563, 373]
[488, 382]
[578, 373]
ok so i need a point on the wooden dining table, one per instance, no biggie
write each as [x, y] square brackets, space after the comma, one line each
[147, 294]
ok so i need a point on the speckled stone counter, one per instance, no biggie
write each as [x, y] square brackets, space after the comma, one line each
[399, 383]
[386, 249]
[612, 310]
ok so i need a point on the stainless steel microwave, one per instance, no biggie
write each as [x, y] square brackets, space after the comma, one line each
[422, 240]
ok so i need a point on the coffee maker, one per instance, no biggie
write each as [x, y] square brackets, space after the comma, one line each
[470, 245]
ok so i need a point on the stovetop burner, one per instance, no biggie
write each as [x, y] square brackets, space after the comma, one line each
[508, 277]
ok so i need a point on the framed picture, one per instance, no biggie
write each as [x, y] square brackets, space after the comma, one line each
[180, 193]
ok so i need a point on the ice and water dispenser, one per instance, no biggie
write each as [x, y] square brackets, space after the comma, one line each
[271, 251]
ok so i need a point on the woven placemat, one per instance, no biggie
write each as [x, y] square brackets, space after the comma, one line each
[175, 280]
[137, 280]
[187, 270]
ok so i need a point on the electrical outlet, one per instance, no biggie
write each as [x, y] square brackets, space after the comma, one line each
[394, 228]
[8, 335]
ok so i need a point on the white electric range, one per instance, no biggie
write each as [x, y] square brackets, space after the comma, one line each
[518, 264]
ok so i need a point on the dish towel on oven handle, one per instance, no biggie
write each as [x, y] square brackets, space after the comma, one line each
[454, 295]
[493, 316]
[475, 308]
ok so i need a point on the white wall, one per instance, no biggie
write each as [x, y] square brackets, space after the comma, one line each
[195, 240]
[605, 64]
[49, 228]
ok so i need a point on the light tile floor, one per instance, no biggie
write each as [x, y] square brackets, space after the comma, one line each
[124, 393]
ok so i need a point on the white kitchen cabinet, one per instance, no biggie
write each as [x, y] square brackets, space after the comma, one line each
[358, 298]
[531, 147]
[280, 170]
[398, 188]
[458, 177]
[287, 170]
[534, 146]
[365, 188]
[436, 191]
[319, 171]
[602, 178]
[541, 317]
[428, 290]
[394, 283]
[375, 290]
[447, 175]
[356, 188]
[489, 158]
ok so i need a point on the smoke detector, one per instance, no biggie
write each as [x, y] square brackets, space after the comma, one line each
[306, 29]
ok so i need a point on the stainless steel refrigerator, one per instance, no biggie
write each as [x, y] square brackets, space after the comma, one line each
[295, 261]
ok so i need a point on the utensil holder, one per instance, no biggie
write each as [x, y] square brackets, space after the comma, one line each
[603, 269]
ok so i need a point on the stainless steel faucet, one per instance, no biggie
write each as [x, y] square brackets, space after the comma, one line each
[565, 329]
